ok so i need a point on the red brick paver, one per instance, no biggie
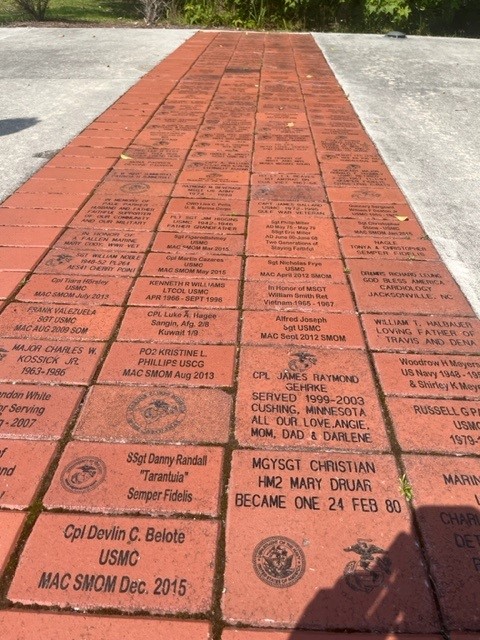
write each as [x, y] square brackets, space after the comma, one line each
[237, 383]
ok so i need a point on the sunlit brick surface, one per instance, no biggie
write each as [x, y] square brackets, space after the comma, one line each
[235, 377]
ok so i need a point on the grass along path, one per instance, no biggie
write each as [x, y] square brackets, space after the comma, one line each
[100, 12]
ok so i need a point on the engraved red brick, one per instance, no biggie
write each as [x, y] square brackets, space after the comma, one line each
[149, 152]
[265, 146]
[372, 211]
[420, 374]
[161, 551]
[283, 392]
[445, 496]
[65, 261]
[229, 155]
[211, 191]
[276, 236]
[58, 321]
[445, 426]
[48, 361]
[194, 326]
[351, 174]
[304, 328]
[202, 365]
[387, 227]
[176, 292]
[199, 222]
[273, 177]
[350, 137]
[341, 143]
[144, 172]
[9, 281]
[36, 412]
[214, 177]
[309, 519]
[198, 243]
[290, 193]
[172, 265]
[234, 166]
[208, 207]
[72, 289]
[142, 478]
[23, 464]
[438, 334]
[155, 414]
[385, 286]
[296, 295]
[283, 208]
[121, 212]
[388, 249]
[19, 258]
[11, 524]
[138, 192]
[289, 161]
[21, 625]
[104, 240]
[281, 268]
[28, 237]
[366, 194]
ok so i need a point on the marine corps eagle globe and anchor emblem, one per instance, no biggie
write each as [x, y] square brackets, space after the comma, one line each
[301, 361]
[83, 474]
[370, 570]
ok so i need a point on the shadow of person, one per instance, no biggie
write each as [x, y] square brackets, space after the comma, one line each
[14, 125]
[420, 584]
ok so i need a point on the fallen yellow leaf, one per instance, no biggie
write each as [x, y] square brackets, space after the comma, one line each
[290, 124]
[401, 218]
[309, 76]
[124, 156]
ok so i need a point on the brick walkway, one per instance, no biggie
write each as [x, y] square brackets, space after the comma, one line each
[228, 358]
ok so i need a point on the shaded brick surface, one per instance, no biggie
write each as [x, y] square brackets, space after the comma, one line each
[446, 502]
[320, 594]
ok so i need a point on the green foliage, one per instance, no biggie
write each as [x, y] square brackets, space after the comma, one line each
[433, 17]
[406, 488]
[34, 8]
[88, 11]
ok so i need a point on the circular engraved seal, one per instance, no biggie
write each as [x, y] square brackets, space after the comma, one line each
[279, 562]
[156, 412]
[135, 187]
[83, 474]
